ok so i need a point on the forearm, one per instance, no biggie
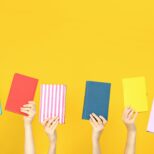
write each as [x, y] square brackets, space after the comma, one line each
[53, 141]
[131, 142]
[96, 147]
[96, 143]
[29, 142]
[52, 148]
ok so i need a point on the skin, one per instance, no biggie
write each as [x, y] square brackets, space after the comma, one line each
[98, 123]
[129, 117]
[30, 110]
[50, 126]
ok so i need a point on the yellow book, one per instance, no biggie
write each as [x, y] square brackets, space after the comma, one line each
[135, 94]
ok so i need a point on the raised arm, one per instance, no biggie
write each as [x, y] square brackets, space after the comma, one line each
[129, 117]
[98, 124]
[50, 126]
[30, 110]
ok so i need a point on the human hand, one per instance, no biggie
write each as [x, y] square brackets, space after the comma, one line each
[98, 124]
[50, 126]
[30, 110]
[129, 117]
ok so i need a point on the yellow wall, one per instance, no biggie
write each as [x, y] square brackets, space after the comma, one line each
[70, 42]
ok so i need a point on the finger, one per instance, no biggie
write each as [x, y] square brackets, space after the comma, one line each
[45, 122]
[55, 120]
[25, 108]
[135, 116]
[51, 121]
[31, 102]
[93, 120]
[103, 119]
[29, 106]
[130, 114]
[125, 112]
[96, 117]
[100, 122]
[128, 110]
[31, 112]
[55, 125]
[24, 111]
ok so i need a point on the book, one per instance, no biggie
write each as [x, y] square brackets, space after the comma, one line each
[97, 97]
[150, 127]
[22, 90]
[135, 94]
[52, 103]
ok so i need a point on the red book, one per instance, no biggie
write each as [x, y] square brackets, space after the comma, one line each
[22, 90]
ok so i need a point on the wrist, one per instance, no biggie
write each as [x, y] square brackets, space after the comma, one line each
[53, 138]
[27, 123]
[96, 136]
[95, 141]
[53, 143]
[131, 132]
[131, 129]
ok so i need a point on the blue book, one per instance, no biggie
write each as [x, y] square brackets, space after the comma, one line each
[97, 99]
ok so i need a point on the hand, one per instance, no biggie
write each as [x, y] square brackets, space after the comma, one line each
[50, 126]
[129, 117]
[98, 124]
[30, 110]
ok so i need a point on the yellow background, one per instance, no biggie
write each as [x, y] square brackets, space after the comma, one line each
[71, 42]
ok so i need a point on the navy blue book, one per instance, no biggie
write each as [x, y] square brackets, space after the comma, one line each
[97, 99]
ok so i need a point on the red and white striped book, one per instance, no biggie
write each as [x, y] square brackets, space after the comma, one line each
[52, 102]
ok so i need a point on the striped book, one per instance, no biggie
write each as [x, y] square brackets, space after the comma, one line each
[52, 102]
